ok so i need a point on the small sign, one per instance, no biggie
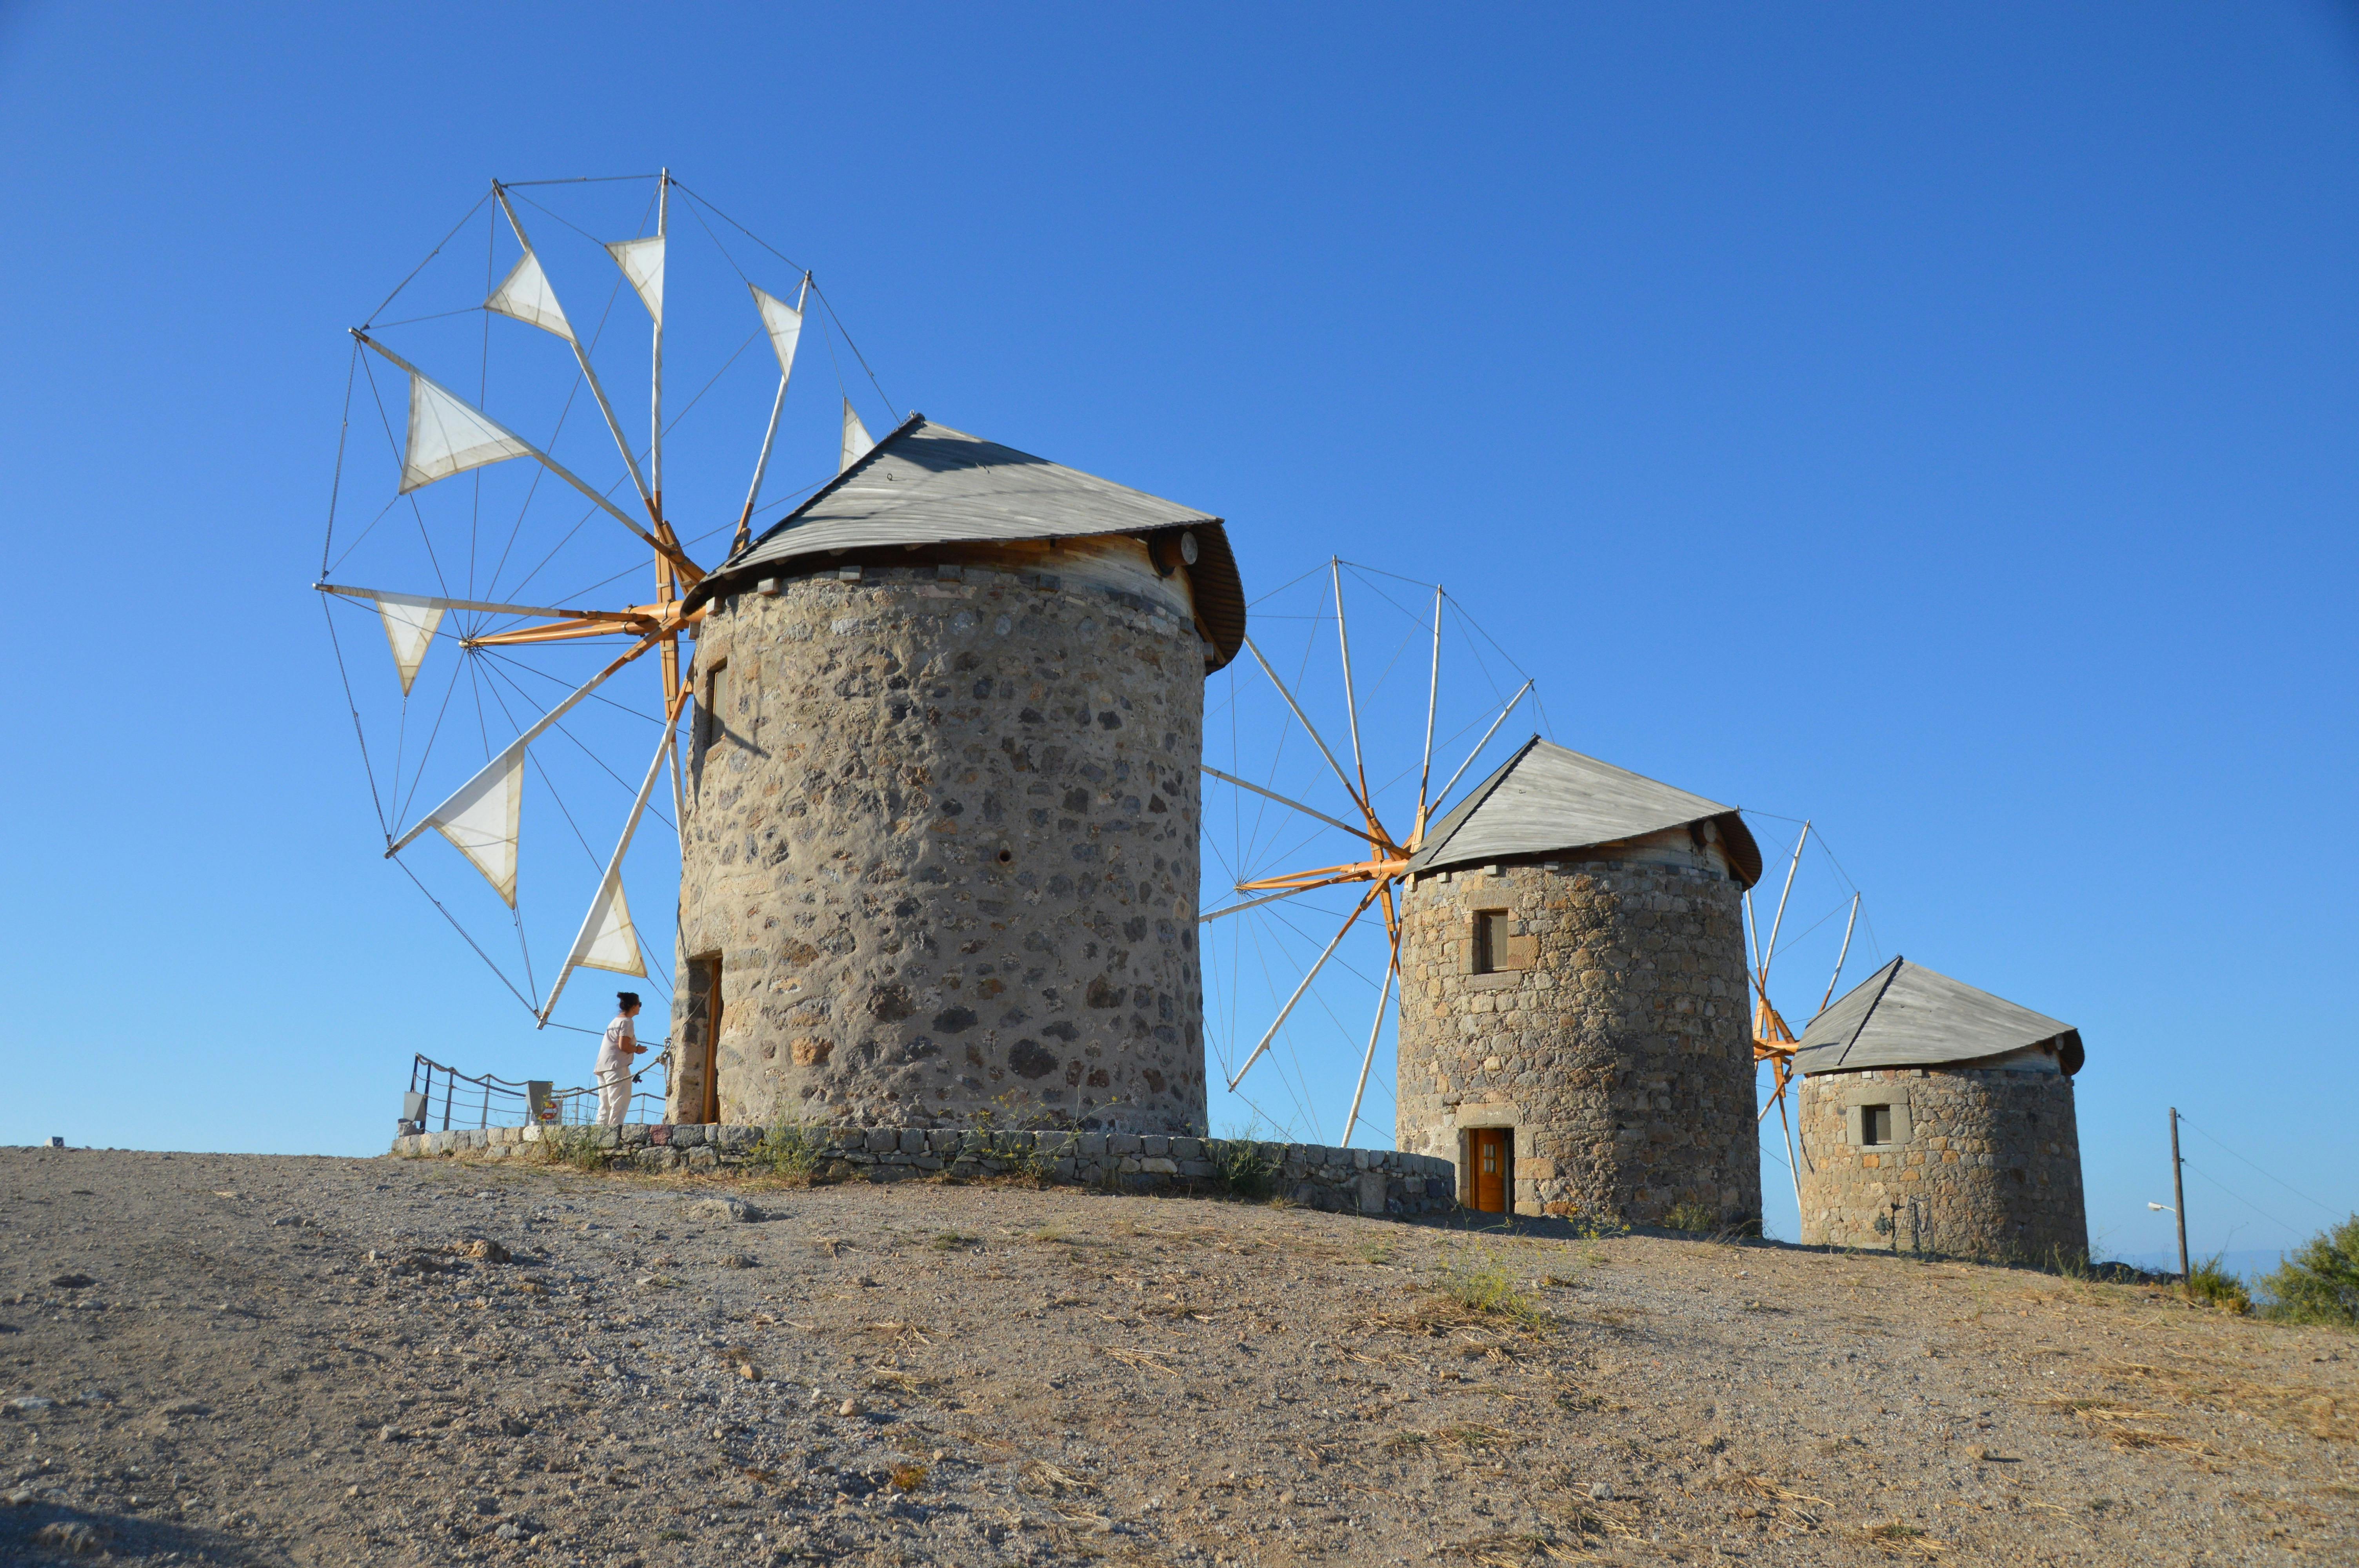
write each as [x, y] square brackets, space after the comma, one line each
[539, 1092]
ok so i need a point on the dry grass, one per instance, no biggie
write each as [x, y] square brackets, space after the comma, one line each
[1480, 1281]
[1899, 1539]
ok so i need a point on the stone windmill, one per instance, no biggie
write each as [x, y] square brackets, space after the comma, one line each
[931, 728]
[1938, 1117]
[1572, 982]
[941, 859]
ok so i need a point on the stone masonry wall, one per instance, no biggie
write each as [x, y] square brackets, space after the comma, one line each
[1619, 1053]
[1352, 1181]
[943, 838]
[1984, 1163]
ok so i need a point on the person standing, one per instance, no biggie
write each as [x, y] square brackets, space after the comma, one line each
[614, 1053]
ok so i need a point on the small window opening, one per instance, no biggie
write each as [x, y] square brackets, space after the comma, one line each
[710, 725]
[1875, 1124]
[1497, 948]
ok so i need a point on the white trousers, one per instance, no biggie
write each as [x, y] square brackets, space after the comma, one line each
[613, 1096]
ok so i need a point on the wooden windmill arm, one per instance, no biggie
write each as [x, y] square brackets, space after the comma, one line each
[639, 619]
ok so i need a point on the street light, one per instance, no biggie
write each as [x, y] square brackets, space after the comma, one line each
[2161, 1208]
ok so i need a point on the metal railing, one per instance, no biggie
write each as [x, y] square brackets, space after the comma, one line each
[441, 1098]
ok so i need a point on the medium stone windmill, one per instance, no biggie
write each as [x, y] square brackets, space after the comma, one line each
[1545, 1043]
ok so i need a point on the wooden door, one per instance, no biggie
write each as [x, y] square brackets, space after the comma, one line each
[1493, 1150]
[711, 1051]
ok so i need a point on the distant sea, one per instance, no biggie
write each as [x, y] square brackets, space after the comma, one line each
[2247, 1265]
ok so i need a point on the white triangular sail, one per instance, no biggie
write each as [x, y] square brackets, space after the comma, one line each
[642, 262]
[481, 820]
[856, 444]
[526, 296]
[608, 940]
[448, 436]
[785, 325]
[410, 622]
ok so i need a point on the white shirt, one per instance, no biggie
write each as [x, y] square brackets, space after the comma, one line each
[611, 1055]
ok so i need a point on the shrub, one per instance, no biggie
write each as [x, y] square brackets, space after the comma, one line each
[1691, 1217]
[1038, 1164]
[573, 1146]
[1245, 1169]
[1481, 1282]
[2211, 1284]
[790, 1149]
[2320, 1283]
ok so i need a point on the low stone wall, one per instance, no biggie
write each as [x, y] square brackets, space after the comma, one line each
[1348, 1180]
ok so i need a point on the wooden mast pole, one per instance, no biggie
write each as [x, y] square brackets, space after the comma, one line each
[762, 466]
[666, 592]
[1432, 697]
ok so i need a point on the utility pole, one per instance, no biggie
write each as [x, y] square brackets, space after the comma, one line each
[2179, 1199]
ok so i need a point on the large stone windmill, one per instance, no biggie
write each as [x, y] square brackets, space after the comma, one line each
[940, 858]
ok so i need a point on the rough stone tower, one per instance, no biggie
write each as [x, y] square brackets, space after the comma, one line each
[939, 859]
[1937, 1117]
[1573, 1024]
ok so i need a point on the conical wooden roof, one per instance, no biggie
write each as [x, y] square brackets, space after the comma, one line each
[1905, 1015]
[1546, 798]
[928, 484]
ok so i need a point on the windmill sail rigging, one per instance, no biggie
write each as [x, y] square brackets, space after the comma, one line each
[642, 262]
[784, 322]
[417, 459]
[580, 356]
[857, 442]
[526, 297]
[442, 433]
[447, 437]
[480, 819]
[410, 622]
[607, 939]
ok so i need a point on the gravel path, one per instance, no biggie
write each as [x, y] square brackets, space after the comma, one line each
[239, 1359]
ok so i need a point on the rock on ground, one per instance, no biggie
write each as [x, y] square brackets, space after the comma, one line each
[932, 1374]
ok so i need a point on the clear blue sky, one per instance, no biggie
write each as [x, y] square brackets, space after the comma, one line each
[1933, 421]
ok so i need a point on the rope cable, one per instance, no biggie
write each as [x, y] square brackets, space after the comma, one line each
[346, 675]
[2331, 1209]
[2291, 1229]
[437, 251]
[890, 406]
[469, 941]
[336, 485]
[733, 223]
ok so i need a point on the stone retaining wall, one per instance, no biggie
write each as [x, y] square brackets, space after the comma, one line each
[1351, 1181]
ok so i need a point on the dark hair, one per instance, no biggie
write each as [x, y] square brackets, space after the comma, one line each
[626, 999]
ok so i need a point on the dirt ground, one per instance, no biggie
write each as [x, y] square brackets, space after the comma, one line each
[264, 1360]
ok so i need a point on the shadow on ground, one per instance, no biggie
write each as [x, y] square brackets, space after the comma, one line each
[40, 1532]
